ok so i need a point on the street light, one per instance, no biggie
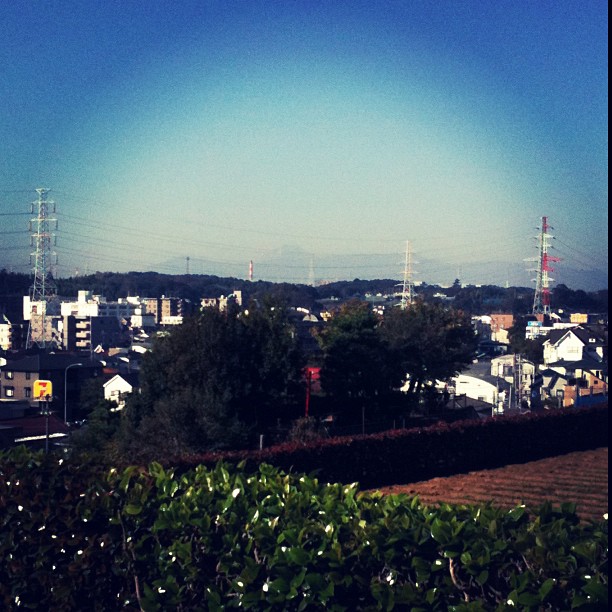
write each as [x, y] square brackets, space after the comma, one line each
[72, 365]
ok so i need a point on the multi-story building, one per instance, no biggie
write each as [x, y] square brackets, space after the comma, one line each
[168, 310]
[89, 305]
[43, 319]
[223, 301]
[65, 372]
[81, 333]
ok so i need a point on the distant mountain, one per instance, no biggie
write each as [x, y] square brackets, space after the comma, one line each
[291, 264]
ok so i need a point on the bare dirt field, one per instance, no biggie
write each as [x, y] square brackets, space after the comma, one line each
[580, 477]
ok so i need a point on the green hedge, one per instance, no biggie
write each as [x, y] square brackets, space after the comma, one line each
[75, 538]
[404, 456]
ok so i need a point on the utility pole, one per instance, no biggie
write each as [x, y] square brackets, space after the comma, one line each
[43, 290]
[518, 381]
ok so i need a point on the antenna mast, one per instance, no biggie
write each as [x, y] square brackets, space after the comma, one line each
[311, 272]
[43, 290]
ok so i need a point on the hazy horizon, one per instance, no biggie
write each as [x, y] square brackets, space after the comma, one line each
[312, 138]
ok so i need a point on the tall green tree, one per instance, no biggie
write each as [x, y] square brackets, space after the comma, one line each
[97, 436]
[211, 381]
[354, 354]
[427, 342]
[532, 349]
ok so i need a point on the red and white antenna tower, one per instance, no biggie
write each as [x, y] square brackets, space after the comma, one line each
[541, 300]
[251, 270]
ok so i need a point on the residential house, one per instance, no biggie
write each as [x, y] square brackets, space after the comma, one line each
[119, 387]
[492, 333]
[580, 354]
[516, 371]
[500, 327]
[475, 389]
[553, 385]
[576, 343]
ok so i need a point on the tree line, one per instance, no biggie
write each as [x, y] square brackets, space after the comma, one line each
[222, 377]
[475, 300]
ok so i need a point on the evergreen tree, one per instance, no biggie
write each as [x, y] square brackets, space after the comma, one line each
[427, 342]
[208, 383]
[354, 354]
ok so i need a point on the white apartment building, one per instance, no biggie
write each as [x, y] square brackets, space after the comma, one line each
[89, 305]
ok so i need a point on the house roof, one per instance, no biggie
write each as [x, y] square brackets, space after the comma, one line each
[554, 335]
[132, 379]
[49, 362]
[548, 373]
[553, 377]
[36, 426]
[482, 371]
[581, 364]
[587, 334]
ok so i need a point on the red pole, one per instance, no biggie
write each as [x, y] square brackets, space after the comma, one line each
[308, 379]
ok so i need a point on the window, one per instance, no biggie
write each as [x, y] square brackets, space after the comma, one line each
[27, 391]
[9, 392]
[9, 375]
[28, 375]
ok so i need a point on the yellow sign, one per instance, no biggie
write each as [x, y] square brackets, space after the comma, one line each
[43, 390]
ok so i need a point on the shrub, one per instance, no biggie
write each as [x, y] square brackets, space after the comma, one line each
[307, 429]
[403, 456]
[218, 538]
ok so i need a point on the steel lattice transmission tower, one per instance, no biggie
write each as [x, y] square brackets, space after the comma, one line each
[43, 291]
[541, 300]
[407, 285]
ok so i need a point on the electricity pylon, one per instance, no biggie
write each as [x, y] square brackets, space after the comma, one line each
[541, 299]
[407, 285]
[43, 291]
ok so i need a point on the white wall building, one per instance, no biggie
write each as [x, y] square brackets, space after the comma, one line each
[89, 305]
[6, 336]
[474, 388]
[118, 387]
[573, 345]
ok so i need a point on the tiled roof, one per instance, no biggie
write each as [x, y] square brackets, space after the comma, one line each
[49, 362]
[581, 364]
[36, 425]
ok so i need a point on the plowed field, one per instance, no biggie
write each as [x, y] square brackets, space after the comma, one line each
[580, 477]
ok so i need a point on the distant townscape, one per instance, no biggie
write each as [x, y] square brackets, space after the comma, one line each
[521, 361]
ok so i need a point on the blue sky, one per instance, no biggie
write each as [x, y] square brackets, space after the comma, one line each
[314, 138]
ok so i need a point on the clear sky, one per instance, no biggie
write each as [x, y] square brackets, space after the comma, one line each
[315, 138]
